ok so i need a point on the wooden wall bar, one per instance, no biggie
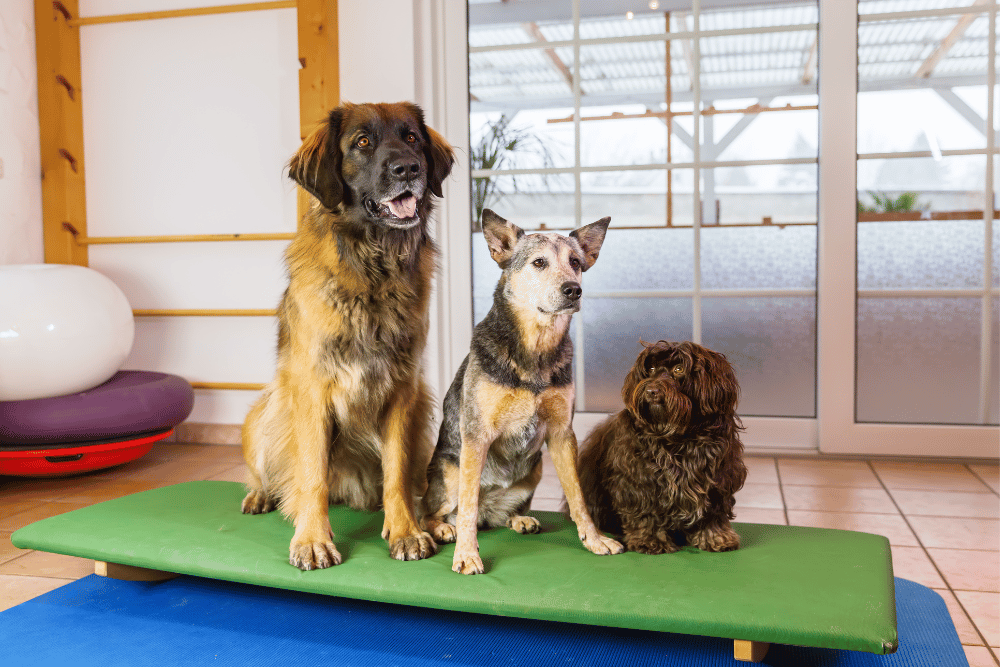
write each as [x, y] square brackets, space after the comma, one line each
[60, 115]
[64, 217]
[319, 78]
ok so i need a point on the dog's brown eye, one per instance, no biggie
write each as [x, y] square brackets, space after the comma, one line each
[411, 138]
[677, 370]
[574, 262]
[540, 263]
[363, 142]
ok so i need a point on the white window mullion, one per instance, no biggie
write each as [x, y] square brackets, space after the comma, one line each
[698, 202]
[985, 362]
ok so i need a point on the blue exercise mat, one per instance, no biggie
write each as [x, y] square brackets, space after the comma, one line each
[194, 621]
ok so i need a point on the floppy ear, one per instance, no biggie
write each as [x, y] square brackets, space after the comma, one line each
[591, 237]
[715, 382]
[316, 165]
[501, 236]
[440, 158]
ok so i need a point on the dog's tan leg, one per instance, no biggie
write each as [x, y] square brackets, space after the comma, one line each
[445, 491]
[525, 488]
[470, 472]
[561, 441]
[406, 540]
[308, 503]
[257, 501]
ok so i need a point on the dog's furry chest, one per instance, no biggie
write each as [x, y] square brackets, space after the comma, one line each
[680, 476]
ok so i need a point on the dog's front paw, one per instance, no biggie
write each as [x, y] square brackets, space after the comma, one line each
[416, 546]
[467, 563]
[651, 546]
[257, 502]
[715, 538]
[313, 555]
[602, 545]
[524, 524]
[442, 532]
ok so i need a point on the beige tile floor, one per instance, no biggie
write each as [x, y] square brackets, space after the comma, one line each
[941, 519]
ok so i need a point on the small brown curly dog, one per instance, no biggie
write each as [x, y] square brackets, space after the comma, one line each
[669, 465]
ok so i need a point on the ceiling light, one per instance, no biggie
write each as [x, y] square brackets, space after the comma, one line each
[653, 4]
[629, 15]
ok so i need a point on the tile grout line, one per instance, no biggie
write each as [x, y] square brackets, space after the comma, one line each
[983, 481]
[932, 562]
[781, 490]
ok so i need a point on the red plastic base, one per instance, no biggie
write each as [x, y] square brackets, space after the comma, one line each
[61, 461]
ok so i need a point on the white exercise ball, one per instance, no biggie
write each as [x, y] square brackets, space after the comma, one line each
[63, 329]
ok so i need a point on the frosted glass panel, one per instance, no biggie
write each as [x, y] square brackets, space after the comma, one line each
[771, 343]
[199, 146]
[612, 329]
[758, 257]
[923, 254]
[641, 259]
[918, 360]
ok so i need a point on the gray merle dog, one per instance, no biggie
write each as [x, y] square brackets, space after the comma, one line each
[513, 392]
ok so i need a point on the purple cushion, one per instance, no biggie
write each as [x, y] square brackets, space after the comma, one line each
[130, 402]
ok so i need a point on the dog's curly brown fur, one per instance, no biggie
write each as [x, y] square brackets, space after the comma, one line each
[670, 463]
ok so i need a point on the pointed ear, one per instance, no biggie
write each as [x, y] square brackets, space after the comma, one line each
[316, 165]
[501, 236]
[590, 238]
[440, 158]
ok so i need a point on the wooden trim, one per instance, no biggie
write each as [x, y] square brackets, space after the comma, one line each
[204, 312]
[239, 386]
[319, 77]
[185, 238]
[903, 216]
[60, 121]
[174, 13]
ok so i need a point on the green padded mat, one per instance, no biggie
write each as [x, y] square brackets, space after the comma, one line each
[785, 585]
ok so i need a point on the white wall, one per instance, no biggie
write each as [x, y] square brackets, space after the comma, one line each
[194, 141]
[20, 183]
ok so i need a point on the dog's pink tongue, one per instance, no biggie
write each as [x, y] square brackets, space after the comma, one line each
[404, 207]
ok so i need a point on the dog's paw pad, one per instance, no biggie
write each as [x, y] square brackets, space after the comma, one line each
[524, 524]
[314, 555]
[444, 533]
[413, 547]
[257, 502]
[469, 563]
[603, 546]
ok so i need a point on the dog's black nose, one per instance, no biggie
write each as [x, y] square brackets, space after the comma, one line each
[654, 394]
[404, 168]
[572, 290]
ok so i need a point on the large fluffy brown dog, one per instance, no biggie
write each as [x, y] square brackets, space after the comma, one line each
[670, 463]
[346, 417]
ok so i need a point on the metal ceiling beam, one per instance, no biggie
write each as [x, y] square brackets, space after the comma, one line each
[809, 68]
[963, 109]
[655, 97]
[961, 25]
[491, 13]
[535, 33]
